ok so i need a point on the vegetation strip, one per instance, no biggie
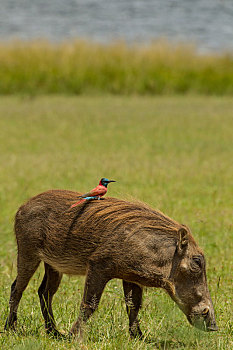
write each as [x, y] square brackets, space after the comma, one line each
[82, 67]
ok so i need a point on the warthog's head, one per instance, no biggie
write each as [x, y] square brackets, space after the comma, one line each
[189, 284]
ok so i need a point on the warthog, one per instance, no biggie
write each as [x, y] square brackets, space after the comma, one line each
[106, 239]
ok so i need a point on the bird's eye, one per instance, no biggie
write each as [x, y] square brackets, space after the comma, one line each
[198, 261]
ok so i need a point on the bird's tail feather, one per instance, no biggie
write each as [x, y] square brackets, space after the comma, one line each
[75, 204]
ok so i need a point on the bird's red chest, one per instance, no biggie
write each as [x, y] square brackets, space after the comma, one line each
[100, 190]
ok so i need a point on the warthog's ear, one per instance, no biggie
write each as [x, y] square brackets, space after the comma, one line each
[183, 239]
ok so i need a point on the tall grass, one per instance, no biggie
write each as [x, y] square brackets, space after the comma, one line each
[80, 67]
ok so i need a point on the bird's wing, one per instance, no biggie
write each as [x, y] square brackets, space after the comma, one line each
[97, 191]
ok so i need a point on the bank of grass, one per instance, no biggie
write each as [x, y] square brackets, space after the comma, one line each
[175, 153]
[81, 67]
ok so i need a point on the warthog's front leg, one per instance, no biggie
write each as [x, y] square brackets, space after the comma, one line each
[133, 301]
[95, 282]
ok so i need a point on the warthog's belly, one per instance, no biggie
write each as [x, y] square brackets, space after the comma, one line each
[66, 265]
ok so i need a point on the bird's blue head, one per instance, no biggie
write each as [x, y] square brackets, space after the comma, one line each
[104, 182]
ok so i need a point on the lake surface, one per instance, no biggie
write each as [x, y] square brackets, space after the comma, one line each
[207, 23]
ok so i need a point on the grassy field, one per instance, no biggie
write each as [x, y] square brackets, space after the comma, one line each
[174, 153]
[79, 67]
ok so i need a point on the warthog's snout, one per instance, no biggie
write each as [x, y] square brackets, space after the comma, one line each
[203, 318]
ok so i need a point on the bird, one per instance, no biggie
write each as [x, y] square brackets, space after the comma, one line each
[96, 193]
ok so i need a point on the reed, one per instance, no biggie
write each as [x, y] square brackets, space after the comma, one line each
[82, 67]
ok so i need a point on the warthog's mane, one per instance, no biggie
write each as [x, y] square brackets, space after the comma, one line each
[112, 213]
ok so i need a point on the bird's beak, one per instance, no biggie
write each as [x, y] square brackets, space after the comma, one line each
[111, 181]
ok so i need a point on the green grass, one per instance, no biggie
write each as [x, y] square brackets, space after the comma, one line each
[80, 67]
[175, 153]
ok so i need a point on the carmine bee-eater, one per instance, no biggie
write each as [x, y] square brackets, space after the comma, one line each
[97, 192]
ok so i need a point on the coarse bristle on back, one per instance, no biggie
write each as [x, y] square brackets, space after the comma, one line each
[111, 213]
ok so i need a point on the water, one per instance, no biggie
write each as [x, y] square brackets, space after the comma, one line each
[207, 23]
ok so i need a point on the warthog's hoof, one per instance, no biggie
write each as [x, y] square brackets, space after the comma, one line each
[136, 333]
[54, 333]
[10, 325]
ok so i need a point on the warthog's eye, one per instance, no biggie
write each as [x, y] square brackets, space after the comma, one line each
[197, 260]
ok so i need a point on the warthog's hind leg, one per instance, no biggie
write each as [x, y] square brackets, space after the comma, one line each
[12, 318]
[133, 301]
[26, 268]
[94, 286]
[48, 288]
